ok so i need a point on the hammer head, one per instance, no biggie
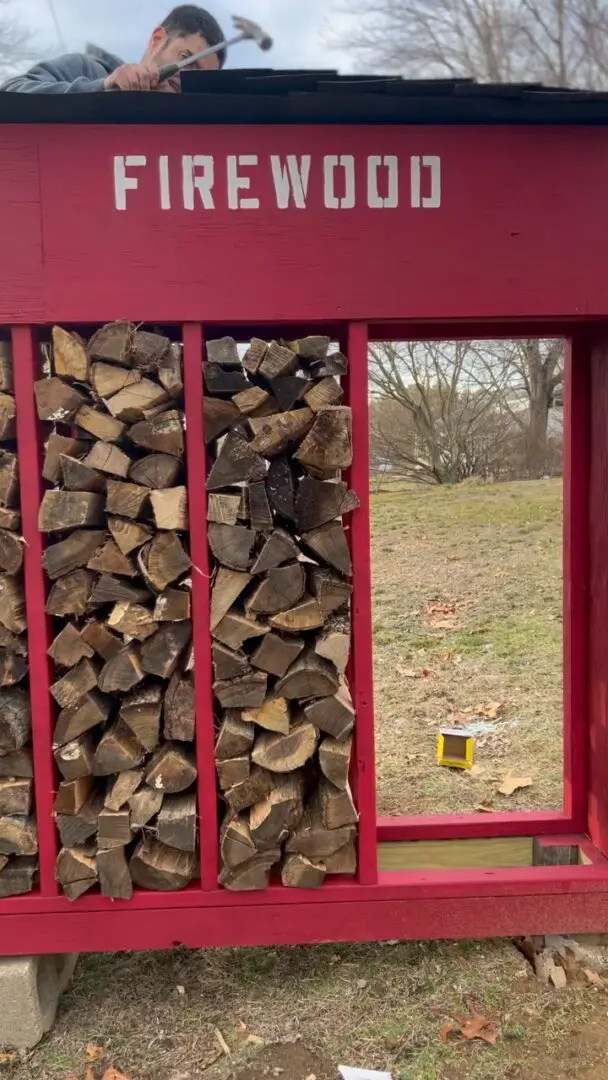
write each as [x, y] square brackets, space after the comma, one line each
[253, 32]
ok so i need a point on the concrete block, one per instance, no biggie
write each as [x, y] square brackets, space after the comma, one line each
[30, 988]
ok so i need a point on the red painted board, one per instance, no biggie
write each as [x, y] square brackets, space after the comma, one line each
[467, 826]
[514, 230]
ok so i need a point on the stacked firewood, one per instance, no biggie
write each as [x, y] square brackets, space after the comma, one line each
[279, 439]
[117, 563]
[18, 841]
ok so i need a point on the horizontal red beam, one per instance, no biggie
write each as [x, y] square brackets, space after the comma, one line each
[468, 826]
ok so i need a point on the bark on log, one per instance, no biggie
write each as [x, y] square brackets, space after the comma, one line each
[298, 872]
[179, 709]
[76, 870]
[114, 877]
[140, 711]
[273, 434]
[334, 759]
[57, 401]
[109, 559]
[160, 868]
[160, 654]
[163, 561]
[252, 875]
[328, 445]
[57, 445]
[235, 737]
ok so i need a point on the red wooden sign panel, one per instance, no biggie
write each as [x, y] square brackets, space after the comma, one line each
[302, 223]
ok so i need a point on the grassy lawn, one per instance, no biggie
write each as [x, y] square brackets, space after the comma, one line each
[485, 563]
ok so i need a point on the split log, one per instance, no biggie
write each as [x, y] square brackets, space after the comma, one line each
[171, 770]
[323, 394]
[260, 514]
[273, 434]
[122, 672]
[12, 605]
[61, 511]
[148, 350]
[160, 868]
[75, 759]
[163, 560]
[10, 519]
[252, 875]
[57, 445]
[72, 553]
[298, 872]
[312, 348]
[273, 715]
[15, 796]
[118, 750]
[276, 654]
[254, 355]
[228, 664]
[236, 463]
[80, 828]
[279, 591]
[351, 502]
[72, 794]
[235, 737]
[336, 806]
[113, 828]
[163, 434]
[6, 367]
[126, 500]
[247, 691]
[17, 763]
[156, 471]
[232, 771]
[236, 845]
[224, 381]
[18, 877]
[13, 668]
[9, 479]
[144, 805]
[177, 822]
[99, 424]
[310, 676]
[114, 877]
[91, 710]
[160, 654]
[334, 642]
[247, 401]
[141, 711]
[109, 559]
[285, 753]
[279, 548]
[130, 403]
[76, 870]
[11, 552]
[218, 416]
[179, 709]
[170, 508]
[110, 590]
[334, 364]
[234, 630]
[100, 639]
[276, 816]
[173, 605]
[224, 509]
[223, 350]
[333, 715]
[256, 787]
[113, 342]
[132, 620]
[170, 371]
[331, 591]
[343, 861]
[77, 682]
[289, 390]
[18, 836]
[304, 616]
[329, 544]
[318, 502]
[76, 476]
[277, 361]
[334, 760]
[57, 401]
[312, 839]
[231, 545]
[108, 379]
[129, 535]
[281, 487]
[227, 587]
[328, 446]
[16, 643]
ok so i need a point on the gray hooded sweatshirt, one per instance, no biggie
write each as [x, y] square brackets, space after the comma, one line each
[74, 73]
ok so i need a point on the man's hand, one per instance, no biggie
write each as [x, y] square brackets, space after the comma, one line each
[133, 77]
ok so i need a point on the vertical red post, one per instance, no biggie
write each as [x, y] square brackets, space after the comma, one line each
[203, 681]
[361, 663]
[576, 577]
[25, 373]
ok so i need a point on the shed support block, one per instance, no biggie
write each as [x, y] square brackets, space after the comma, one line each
[30, 988]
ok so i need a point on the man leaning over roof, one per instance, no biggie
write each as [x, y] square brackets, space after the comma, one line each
[186, 31]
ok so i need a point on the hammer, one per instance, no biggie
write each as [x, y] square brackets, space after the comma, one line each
[247, 31]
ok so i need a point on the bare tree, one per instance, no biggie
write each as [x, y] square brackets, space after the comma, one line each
[15, 40]
[557, 42]
[536, 372]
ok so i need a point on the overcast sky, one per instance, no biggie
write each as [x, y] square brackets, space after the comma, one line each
[122, 26]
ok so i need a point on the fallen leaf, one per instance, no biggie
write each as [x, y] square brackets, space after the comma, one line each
[492, 710]
[446, 1031]
[477, 1026]
[427, 672]
[94, 1052]
[89, 1073]
[594, 979]
[114, 1074]
[435, 607]
[484, 808]
[511, 784]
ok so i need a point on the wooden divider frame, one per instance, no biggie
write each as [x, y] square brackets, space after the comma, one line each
[418, 904]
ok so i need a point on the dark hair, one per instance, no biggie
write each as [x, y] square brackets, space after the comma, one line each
[190, 19]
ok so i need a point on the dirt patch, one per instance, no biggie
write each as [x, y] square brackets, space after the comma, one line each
[292, 1061]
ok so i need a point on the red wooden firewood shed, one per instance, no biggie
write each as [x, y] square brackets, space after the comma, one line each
[278, 204]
